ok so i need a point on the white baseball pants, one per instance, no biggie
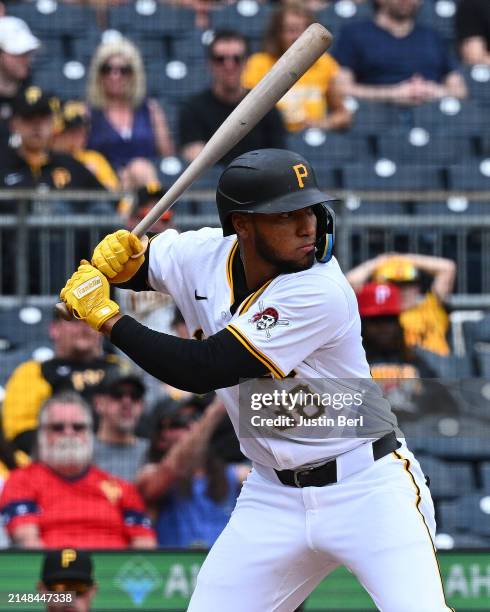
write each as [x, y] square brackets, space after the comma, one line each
[282, 541]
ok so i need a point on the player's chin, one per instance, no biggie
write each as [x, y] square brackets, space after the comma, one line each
[305, 262]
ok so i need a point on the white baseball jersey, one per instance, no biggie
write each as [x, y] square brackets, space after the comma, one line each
[306, 322]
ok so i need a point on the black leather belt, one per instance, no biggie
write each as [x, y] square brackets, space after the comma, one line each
[326, 474]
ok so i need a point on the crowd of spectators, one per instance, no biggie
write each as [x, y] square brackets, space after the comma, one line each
[94, 454]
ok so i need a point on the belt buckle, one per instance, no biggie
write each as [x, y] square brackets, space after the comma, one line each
[298, 473]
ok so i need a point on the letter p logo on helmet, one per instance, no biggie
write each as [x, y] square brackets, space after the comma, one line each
[301, 172]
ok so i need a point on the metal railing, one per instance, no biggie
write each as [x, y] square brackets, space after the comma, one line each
[40, 246]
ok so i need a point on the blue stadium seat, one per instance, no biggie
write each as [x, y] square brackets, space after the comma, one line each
[485, 477]
[164, 21]
[50, 47]
[451, 117]
[176, 80]
[473, 176]
[461, 540]
[454, 206]
[405, 147]
[471, 395]
[450, 367]
[169, 169]
[485, 144]
[371, 118]
[447, 479]
[470, 513]
[53, 78]
[478, 82]
[364, 177]
[336, 15]
[190, 48]
[251, 22]
[328, 147]
[64, 20]
[483, 359]
[476, 331]
[439, 16]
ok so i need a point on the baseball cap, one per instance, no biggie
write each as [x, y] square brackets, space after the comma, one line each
[15, 36]
[378, 300]
[67, 564]
[33, 101]
[396, 270]
[117, 375]
[74, 113]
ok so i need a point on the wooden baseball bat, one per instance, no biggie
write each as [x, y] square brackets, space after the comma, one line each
[290, 67]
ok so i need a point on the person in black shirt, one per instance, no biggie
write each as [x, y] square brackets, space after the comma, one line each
[473, 31]
[32, 163]
[202, 114]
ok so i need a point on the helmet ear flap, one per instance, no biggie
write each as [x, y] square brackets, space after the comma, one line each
[325, 232]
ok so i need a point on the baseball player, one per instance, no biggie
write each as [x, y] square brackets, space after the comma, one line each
[266, 297]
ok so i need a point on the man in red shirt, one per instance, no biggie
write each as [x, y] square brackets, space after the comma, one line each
[62, 500]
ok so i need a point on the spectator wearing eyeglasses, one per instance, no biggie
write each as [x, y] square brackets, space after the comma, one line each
[126, 126]
[62, 499]
[119, 404]
[203, 113]
[68, 571]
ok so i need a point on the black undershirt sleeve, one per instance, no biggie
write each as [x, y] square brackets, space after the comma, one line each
[198, 366]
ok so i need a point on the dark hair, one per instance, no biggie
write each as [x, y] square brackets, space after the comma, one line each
[7, 453]
[272, 38]
[227, 35]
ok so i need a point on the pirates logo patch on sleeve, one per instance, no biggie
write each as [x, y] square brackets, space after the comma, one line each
[266, 319]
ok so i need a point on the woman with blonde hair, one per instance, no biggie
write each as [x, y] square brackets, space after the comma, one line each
[315, 100]
[125, 124]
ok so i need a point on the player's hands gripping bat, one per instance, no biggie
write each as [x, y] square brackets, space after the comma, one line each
[300, 56]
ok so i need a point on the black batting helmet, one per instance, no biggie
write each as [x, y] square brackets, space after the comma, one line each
[274, 181]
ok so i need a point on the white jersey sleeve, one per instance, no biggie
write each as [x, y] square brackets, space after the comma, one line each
[297, 315]
[172, 255]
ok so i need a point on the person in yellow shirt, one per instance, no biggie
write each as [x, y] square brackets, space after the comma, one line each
[423, 317]
[71, 137]
[315, 100]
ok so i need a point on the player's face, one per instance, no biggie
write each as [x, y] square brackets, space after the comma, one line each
[286, 240]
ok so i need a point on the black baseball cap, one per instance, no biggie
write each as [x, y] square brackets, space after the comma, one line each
[67, 564]
[119, 374]
[34, 102]
[74, 113]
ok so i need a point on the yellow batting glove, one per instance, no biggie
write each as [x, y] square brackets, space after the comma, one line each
[113, 256]
[86, 295]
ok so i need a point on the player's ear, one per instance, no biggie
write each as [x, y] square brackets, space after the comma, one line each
[240, 224]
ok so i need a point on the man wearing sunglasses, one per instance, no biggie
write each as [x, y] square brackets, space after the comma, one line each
[62, 499]
[119, 404]
[68, 571]
[202, 114]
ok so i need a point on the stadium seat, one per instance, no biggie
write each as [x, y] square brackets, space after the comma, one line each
[483, 359]
[451, 117]
[157, 20]
[454, 206]
[459, 540]
[485, 477]
[419, 146]
[328, 147]
[471, 395]
[478, 81]
[24, 325]
[66, 80]
[248, 18]
[386, 175]
[169, 169]
[450, 367]
[191, 47]
[176, 80]
[439, 16]
[447, 480]
[470, 176]
[50, 47]
[470, 513]
[336, 15]
[55, 19]
[372, 119]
